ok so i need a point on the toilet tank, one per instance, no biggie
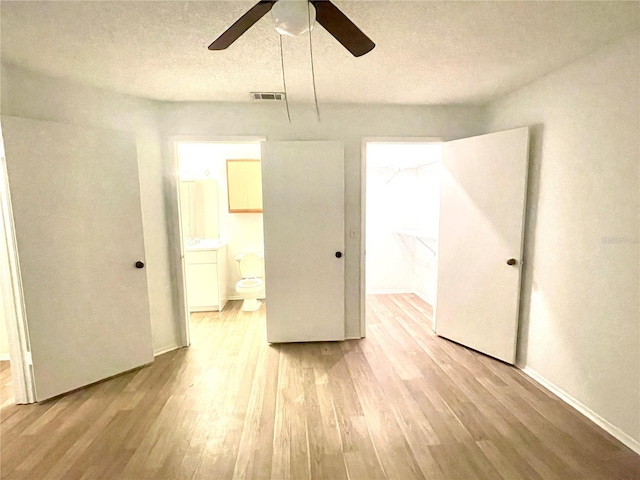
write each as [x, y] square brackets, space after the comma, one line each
[250, 265]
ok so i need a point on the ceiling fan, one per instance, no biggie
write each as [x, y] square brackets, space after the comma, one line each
[326, 14]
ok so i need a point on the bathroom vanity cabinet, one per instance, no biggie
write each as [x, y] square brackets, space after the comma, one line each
[206, 272]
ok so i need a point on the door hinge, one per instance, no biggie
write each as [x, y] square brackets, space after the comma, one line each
[28, 359]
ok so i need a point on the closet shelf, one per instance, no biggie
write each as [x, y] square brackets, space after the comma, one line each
[424, 239]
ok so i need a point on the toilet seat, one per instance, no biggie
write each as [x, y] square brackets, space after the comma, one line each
[250, 265]
[249, 284]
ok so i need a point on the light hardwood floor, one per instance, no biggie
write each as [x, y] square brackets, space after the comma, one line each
[6, 388]
[400, 404]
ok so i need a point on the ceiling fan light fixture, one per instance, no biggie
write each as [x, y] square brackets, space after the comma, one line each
[293, 17]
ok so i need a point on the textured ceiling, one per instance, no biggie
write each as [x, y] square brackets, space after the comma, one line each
[427, 52]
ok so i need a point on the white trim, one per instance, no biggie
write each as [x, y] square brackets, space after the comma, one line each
[175, 222]
[13, 297]
[237, 297]
[430, 301]
[363, 238]
[4, 357]
[400, 140]
[584, 410]
[216, 139]
[175, 239]
[206, 308]
[161, 350]
[389, 291]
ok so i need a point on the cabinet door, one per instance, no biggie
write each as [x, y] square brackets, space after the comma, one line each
[244, 183]
[202, 285]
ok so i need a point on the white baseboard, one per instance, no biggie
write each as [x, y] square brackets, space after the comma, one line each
[4, 357]
[583, 409]
[236, 297]
[161, 350]
[430, 301]
[388, 291]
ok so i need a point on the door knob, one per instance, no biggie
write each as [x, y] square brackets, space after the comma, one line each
[338, 254]
[139, 265]
[512, 261]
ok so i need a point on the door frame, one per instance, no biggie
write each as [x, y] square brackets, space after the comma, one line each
[176, 245]
[363, 212]
[12, 296]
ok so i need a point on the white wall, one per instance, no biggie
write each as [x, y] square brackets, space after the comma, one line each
[26, 94]
[580, 321]
[390, 201]
[243, 232]
[425, 278]
[346, 123]
[580, 317]
[31, 95]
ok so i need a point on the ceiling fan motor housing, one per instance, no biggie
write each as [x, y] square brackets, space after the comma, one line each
[293, 17]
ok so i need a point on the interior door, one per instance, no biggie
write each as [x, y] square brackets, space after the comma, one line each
[303, 204]
[78, 223]
[482, 205]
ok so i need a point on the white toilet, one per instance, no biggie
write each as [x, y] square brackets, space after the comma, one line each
[250, 267]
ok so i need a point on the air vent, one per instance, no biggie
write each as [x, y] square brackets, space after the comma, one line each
[267, 96]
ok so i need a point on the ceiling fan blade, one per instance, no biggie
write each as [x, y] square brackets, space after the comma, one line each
[243, 24]
[343, 29]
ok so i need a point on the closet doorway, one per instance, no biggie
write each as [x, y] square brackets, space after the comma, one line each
[402, 184]
[471, 287]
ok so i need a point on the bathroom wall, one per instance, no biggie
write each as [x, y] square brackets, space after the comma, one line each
[402, 203]
[580, 318]
[243, 232]
[31, 95]
[346, 123]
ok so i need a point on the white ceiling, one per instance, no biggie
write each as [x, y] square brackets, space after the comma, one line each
[427, 52]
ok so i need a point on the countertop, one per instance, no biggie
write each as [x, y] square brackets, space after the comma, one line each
[205, 244]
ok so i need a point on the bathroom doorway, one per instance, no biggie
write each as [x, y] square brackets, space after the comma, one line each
[219, 190]
[402, 190]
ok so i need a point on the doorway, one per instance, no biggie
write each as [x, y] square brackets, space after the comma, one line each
[402, 184]
[301, 232]
[215, 230]
[482, 190]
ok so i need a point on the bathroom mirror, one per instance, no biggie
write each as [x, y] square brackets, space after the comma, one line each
[244, 186]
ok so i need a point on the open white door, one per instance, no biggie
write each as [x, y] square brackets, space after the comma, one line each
[303, 202]
[482, 203]
[78, 224]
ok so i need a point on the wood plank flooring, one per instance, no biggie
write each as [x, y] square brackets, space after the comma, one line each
[6, 387]
[400, 404]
